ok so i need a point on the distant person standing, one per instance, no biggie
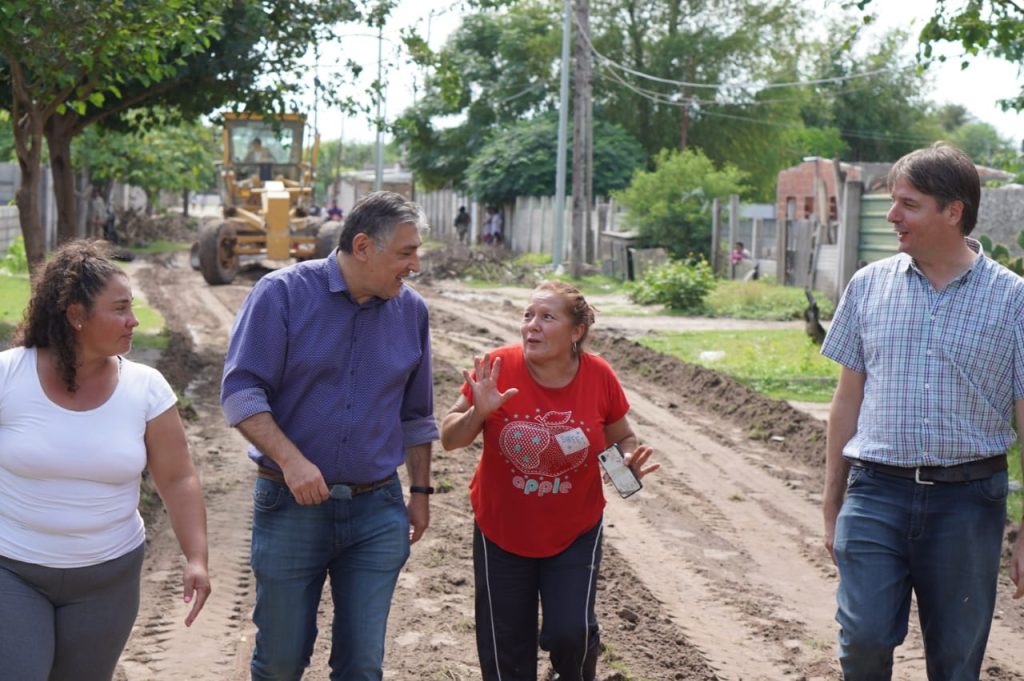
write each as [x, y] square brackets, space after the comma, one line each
[493, 233]
[931, 343]
[462, 224]
[334, 213]
[97, 214]
[739, 253]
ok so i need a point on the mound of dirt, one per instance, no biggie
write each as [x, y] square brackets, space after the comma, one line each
[135, 228]
[775, 423]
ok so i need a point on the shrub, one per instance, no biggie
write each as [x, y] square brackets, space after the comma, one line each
[15, 261]
[678, 285]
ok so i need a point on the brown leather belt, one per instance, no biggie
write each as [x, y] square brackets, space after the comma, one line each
[929, 475]
[355, 487]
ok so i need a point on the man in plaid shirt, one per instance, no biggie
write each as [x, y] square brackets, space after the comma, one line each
[931, 343]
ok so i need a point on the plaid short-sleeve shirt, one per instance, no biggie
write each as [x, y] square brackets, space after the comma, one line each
[943, 367]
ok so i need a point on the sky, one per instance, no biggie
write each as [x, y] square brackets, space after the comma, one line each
[977, 88]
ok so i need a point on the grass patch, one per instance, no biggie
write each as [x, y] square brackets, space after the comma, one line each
[159, 247]
[593, 284]
[14, 290]
[782, 364]
[761, 300]
[530, 259]
[14, 295]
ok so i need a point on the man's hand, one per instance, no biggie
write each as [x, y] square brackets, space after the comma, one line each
[305, 481]
[830, 533]
[419, 516]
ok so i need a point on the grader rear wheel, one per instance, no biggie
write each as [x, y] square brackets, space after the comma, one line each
[217, 258]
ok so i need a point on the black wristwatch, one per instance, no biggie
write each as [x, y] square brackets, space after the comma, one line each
[421, 489]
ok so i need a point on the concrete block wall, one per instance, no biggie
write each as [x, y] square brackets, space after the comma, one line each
[10, 228]
[1001, 215]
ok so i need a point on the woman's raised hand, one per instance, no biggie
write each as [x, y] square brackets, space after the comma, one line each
[486, 397]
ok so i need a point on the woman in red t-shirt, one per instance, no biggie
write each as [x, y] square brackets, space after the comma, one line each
[546, 409]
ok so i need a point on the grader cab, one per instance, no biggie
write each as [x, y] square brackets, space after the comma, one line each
[266, 192]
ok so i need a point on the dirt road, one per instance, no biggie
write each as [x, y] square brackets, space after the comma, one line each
[714, 571]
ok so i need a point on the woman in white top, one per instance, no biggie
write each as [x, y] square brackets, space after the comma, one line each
[78, 424]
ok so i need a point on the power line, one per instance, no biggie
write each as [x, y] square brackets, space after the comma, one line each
[747, 85]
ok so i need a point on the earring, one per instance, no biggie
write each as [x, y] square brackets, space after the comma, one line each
[575, 348]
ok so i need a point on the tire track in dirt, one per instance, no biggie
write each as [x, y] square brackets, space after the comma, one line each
[161, 647]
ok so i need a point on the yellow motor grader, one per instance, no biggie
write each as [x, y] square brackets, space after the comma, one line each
[266, 192]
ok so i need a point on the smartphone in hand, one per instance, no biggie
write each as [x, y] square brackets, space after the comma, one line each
[621, 475]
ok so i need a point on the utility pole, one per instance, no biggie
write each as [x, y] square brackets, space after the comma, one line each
[378, 176]
[563, 123]
[582, 130]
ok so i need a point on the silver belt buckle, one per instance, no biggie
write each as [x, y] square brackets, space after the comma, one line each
[918, 480]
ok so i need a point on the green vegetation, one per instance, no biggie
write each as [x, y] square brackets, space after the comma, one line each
[679, 286]
[520, 161]
[591, 284]
[671, 205]
[13, 298]
[761, 300]
[533, 259]
[782, 364]
[15, 260]
[1001, 254]
[14, 294]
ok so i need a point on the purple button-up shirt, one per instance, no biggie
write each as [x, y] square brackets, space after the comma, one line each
[349, 384]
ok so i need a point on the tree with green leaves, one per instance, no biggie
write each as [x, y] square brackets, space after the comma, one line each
[520, 161]
[671, 205]
[495, 69]
[688, 51]
[502, 67]
[995, 27]
[56, 67]
[153, 156]
[897, 120]
[187, 56]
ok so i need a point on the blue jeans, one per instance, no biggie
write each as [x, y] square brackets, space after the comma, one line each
[942, 541]
[362, 542]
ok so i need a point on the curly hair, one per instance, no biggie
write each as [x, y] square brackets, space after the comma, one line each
[579, 309]
[76, 273]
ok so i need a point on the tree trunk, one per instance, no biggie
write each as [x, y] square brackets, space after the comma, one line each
[28, 141]
[59, 131]
[27, 200]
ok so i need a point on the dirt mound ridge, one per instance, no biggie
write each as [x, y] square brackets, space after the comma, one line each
[774, 422]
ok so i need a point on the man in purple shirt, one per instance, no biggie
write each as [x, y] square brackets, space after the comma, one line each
[328, 377]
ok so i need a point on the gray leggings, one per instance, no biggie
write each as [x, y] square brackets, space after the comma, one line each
[64, 624]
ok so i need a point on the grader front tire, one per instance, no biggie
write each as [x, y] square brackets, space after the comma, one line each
[218, 260]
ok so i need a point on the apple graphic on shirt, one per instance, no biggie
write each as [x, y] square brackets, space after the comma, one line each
[532, 448]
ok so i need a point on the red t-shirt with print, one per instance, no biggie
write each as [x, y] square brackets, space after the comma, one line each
[538, 485]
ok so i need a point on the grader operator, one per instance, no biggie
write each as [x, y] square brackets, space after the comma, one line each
[266, 192]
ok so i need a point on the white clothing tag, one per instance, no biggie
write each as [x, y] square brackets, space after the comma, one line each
[572, 441]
